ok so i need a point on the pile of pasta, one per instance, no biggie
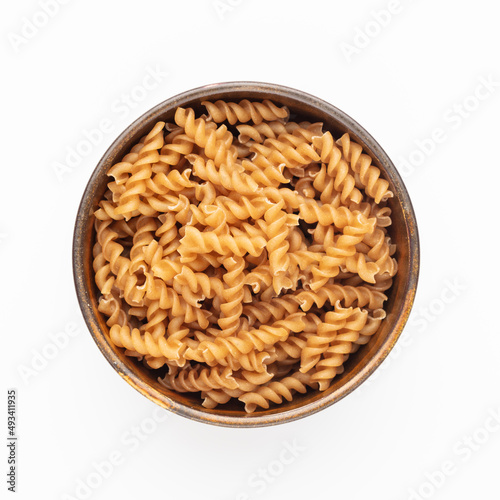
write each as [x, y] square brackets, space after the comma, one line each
[244, 253]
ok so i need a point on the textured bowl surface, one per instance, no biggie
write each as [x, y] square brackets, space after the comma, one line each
[359, 366]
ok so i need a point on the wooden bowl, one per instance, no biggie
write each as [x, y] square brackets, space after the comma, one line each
[359, 366]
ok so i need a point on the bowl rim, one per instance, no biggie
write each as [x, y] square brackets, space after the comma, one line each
[309, 408]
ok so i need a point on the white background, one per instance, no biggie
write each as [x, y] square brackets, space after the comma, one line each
[405, 80]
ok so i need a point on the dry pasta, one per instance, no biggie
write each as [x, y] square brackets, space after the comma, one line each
[243, 256]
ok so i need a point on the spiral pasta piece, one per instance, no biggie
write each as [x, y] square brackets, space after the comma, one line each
[339, 349]
[233, 296]
[244, 208]
[226, 176]
[124, 336]
[327, 332]
[244, 111]
[195, 241]
[246, 341]
[172, 182]
[196, 380]
[371, 327]
[168, 298]
[341, 217]
[273, 153]
[104, 277]
[361, 296]
[177, 146]
[276, 229]
[119, 264]
[167, 233]
[276, 309]
[336, 168]
[369, 175]
[135, 185]
[274, 129]
[275, 392]
[144, 235]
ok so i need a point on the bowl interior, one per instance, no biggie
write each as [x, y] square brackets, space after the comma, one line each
[359, 365]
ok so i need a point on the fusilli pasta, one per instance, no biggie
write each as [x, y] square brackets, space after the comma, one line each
[248, 266]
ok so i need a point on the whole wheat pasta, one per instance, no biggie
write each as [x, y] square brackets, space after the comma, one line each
[243, 267]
